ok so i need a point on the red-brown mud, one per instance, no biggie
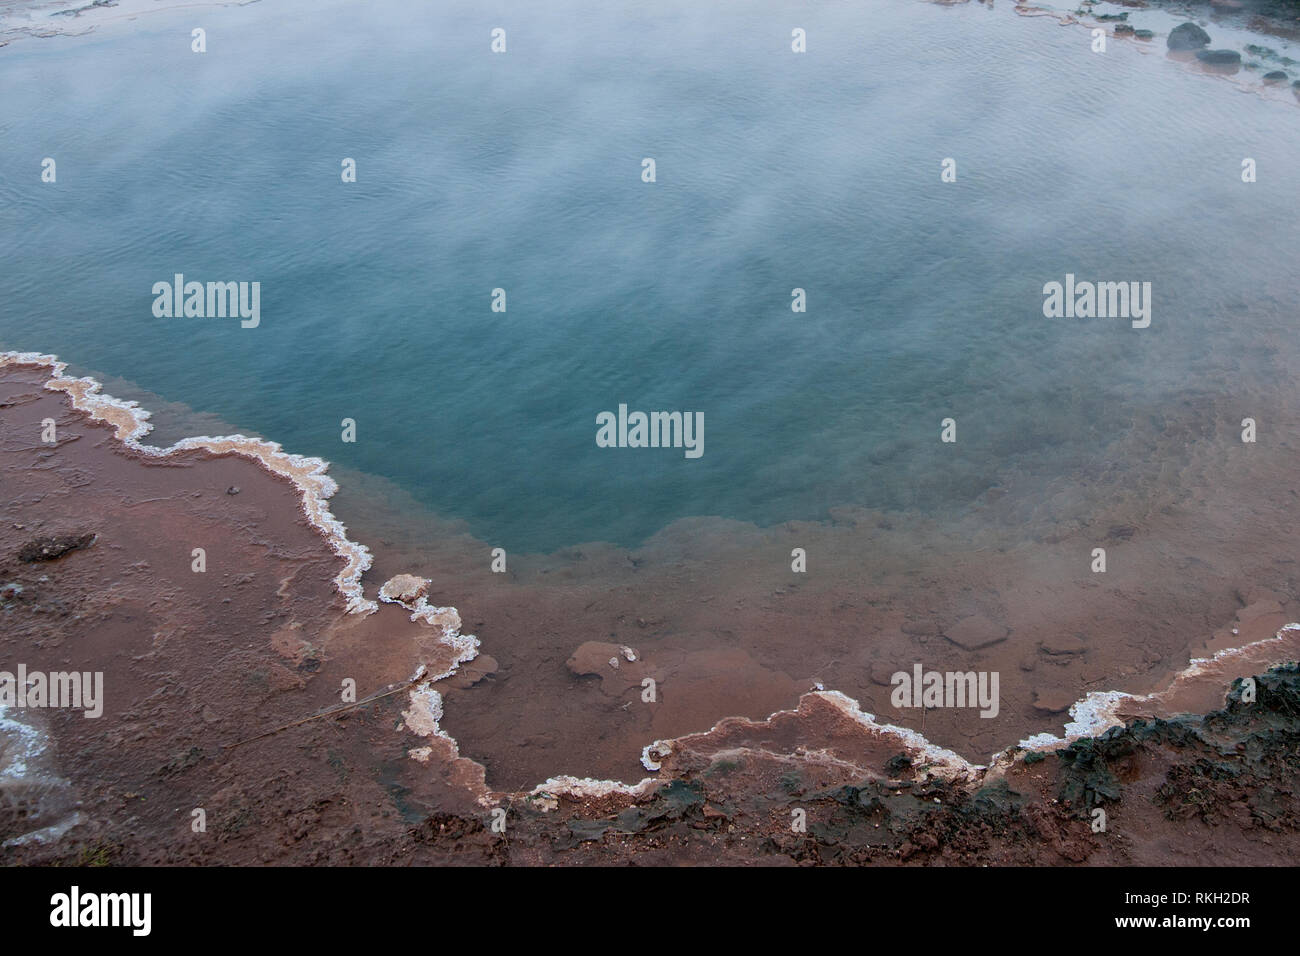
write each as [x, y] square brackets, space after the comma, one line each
[1199, 535]
[194, 662]
[210, 678]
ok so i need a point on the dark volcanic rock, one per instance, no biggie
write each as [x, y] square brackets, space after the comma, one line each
[1123, 29]
[1086, 778]
[1145, 34]
[1188, 36]
[47, 549]
[1277, 76]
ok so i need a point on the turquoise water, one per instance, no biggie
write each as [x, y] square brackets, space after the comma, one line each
[775, 171]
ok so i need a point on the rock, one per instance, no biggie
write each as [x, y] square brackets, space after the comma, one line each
[233, 490]
[1062, 645]
[1144, 34]
[880, 672]
[404, 589]
[1277, 76]
[1219, 57]
[470, 673]
[1188, 36]
[1123, 29]
[47, 549]
[897, 764]
[1052, 701]
[594, 657]
[976, 632]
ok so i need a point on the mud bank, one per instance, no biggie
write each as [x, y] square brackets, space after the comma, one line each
[220, 600]
[223, 692]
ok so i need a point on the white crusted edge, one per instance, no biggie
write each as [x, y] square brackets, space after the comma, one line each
[131, 423]
[1091, 716]
[1097, 713]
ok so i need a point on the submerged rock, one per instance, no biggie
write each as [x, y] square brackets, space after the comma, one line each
[1145, 34]
[976, 632]
[1219, 57]
[1188, 36]
[1277, 76]
[1054, 701]
[594, 657]
[1123, 29]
